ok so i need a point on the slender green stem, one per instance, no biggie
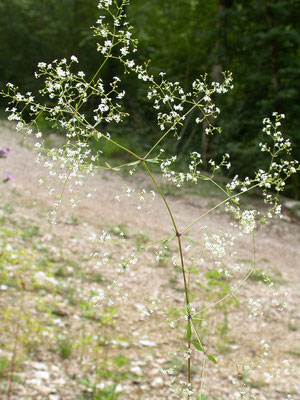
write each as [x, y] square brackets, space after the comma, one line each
[145, 247]
[187, 301]
[183, 271]
[227, 295]
[254, 250]
[204, 215]
[202, 375]
[79, 104]
[216, 206]
[218, 186]
[162, 195]
[197, 335]
[181, 256]
[117, 166]
[85, 123]
[122, 147]
[238, 286]
[171, 128]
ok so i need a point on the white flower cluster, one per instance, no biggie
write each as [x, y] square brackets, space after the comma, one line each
[171, 96]
[182, 389]
[246, 219]
[193, 175]
[272, 179]
[255, 308]
[144, 198]
[104, 3]
[287, 368]
[217, 244]
[117, 42]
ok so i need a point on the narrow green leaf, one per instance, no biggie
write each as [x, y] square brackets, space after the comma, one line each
[153, 160]
[235, 299]
[132, 163]
[212, 358]
[189, 239]
[112, 168]
[189, 331]
[165, 242]
[198, 345]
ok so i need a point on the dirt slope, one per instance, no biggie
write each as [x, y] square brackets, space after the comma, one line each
[147, 341]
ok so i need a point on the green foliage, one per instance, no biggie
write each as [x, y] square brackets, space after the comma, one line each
[32, 32]
[217, 286]
[257, 40]
[64, 346]
[261, 48]
[31, 314]
[107, 393]
[3, 366]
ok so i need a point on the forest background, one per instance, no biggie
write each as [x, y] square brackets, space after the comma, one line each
[258, 40]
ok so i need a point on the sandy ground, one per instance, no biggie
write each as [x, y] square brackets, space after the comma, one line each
[147, 341]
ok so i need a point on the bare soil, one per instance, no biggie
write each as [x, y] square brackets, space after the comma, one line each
[145, 342]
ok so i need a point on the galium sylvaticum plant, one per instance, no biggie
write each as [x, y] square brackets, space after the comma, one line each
[68, 91]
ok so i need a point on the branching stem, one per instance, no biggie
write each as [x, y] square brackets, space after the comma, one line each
[178, 234]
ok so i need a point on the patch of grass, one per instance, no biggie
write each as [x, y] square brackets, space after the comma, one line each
[257, 276]
[96, 277]
[30, 231]
[120, 360]
[295, 211]
[107, 393]
[65, 347]
[8, 208]
[72, 220]
[71, 294]
[8, 233]
[88, 311]
[15, 193]
[293, 326]
[215, 275]
[3, 366]
[141, 239]
[119, 229]
[60, 272]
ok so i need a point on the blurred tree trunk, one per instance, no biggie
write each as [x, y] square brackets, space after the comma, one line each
[273, 44]
[216, 76]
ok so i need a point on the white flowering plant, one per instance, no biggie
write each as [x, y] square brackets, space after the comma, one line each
[66, 89]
